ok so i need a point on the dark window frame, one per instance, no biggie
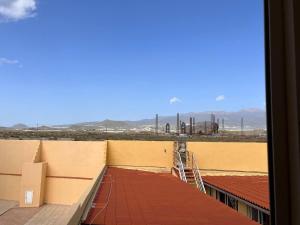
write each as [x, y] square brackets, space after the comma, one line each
[282, 33]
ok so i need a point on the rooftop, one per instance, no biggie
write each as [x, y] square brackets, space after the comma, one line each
[50, 214]
[254, 189]
[136, 197]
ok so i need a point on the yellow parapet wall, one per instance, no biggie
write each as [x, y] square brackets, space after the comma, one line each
[33, 184]
[10, 187]
[13, 154]
[146, 155]
[230, 158]
[72, 165]
[73, 158]
[65, 191]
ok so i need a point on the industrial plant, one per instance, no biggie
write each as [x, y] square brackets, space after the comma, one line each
[193, 127]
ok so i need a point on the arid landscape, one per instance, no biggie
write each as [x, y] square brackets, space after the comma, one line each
[230, 136]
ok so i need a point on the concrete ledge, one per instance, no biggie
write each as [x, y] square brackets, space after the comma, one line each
[6, 205]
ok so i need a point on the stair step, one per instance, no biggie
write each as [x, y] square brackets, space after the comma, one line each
[190, 174]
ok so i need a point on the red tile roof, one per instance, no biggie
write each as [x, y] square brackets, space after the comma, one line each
[254, 189]
[130, 197]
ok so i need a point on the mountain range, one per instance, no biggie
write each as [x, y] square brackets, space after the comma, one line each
[252, 118]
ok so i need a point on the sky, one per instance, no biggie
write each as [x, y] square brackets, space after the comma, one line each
[66, 61]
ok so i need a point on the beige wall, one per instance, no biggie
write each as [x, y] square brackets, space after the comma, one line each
[33, 179]
[77, 210]
[146, 155]
[10, 187]
[71, 167]
[14, 153]
[73, 158]
[228, 158]
[64, 190]
[214, 158]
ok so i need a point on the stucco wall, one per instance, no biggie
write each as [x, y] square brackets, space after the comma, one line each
[228, 158]
[146, 155]
[10, 187]
[71, 167]
[73, 158]
[33, 179]
[64, 190]
[14, 153]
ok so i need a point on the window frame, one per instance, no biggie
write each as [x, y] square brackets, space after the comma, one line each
[282, 33]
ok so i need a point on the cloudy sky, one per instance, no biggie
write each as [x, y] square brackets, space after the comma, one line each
[64, 61]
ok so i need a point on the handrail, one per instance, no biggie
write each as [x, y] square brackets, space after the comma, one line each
[197, 174]
[181, 167]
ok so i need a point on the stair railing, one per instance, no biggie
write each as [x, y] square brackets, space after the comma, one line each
[197, 175]
[180, 166]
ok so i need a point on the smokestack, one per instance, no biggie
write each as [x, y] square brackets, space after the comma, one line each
[178, 125]
[191, 126]
[223, 124]
[212, 122]
[156, 124]
[194, 125]
[242, 126]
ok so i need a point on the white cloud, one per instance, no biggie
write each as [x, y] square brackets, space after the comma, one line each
[174, 100]
[17, 9]
[220, 98]
[4, 61]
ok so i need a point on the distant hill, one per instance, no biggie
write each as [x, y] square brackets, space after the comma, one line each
[253, 119]
[113, 124]
[19, 126]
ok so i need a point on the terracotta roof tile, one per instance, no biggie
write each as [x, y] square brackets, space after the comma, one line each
[130, 197]
[254, 189]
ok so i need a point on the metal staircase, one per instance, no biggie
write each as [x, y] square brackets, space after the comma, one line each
[197, 175]
[190, 177]
[180, 166]
[186, 164]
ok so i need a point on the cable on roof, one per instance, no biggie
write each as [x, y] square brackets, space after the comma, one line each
[106, 204]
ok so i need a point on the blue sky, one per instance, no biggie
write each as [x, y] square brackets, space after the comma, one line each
[64, 61]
